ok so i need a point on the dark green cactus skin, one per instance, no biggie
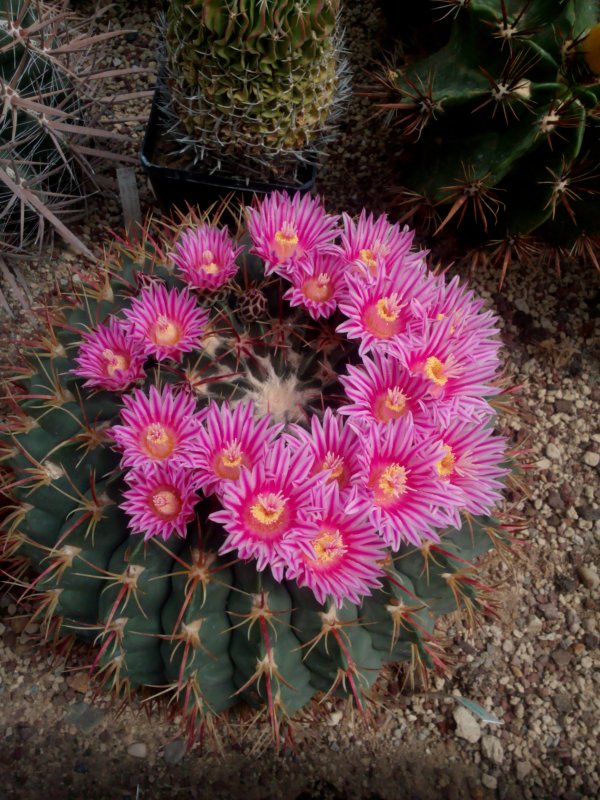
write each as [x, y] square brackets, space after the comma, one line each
[501, 121]
[253, 84]
[175, 613]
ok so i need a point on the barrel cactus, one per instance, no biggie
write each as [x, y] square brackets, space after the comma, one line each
[257, 467]
[51, 138]
[253, 86]
[497, 105]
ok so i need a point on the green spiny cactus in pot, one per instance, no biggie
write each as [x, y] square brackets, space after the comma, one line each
[254, 86]
[499, 126]
[51, 136]
[259, 467]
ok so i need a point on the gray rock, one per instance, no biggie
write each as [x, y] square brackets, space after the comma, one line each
[491, 748]
[588, 576]
[137, 750]
[534, 625]
[489, 781]
[84, 717]
[562, 657]
[175, 751]
[555, 501]
[591, 458]
[589, 513]
[563, 702]
[467, 726]
[549, 610]
[553, 452]
[564, 407]
[523, 770]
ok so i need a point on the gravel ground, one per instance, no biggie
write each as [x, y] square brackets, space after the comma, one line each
[536, 668]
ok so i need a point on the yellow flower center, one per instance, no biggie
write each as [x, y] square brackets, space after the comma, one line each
[166, 503]
[228, 462]
[166, 332]
[114, 361]
[268, 508]
[208, 263]
[395, 400]
[368, 256]
[388, 308]
[390, 405]
[158, 441]
[382, 319]
[318, 289]
[286, 241]
[334, 463]
[392, 481]
[369, 259]
[445, 466]
[388, 483]
[434, 370]
[329, 547]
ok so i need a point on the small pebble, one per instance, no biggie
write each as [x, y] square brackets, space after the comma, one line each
[588, 576]
[467, 726]
[523, 769]
[137, 750]
[553, 452]
[491, 748]
[489, 781]
[174, 752]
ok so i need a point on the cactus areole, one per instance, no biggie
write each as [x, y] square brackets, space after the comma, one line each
[257, 467]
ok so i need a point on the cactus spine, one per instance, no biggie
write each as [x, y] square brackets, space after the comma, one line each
[51, 140]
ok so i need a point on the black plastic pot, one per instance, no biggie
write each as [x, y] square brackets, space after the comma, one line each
[178, 188]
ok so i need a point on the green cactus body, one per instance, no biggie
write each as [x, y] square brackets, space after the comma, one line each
[254, 85]
[175, 615]
[501, 121]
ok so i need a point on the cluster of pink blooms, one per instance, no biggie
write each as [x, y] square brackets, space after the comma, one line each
[410, 448]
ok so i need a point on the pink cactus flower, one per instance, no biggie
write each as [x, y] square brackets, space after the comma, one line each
[228, 441]
[404, 495]
[266, 511]
[159, 427]
[473, 462]
[206, 255]
[286, 230]
[372, 246]
[458, 372]
[382, 390]
[166, 322]
[344, 552]
[160, 500]
[382, 313]
[467, 316]
[318, 286]
[332, 445]
[109, 359]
